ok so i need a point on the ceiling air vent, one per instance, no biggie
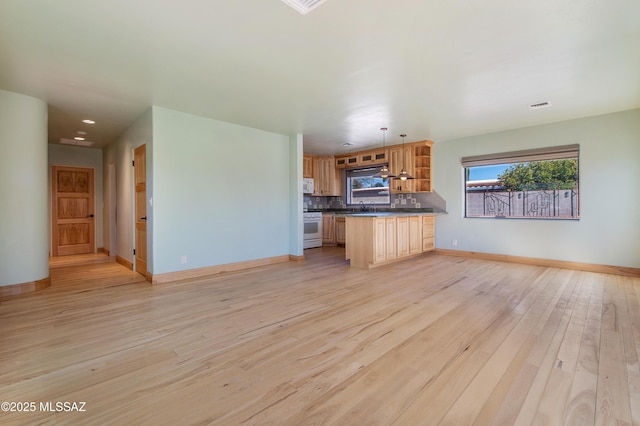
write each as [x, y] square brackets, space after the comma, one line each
[304, 6]
[539, 105]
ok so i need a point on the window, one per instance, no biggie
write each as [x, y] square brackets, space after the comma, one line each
[538, 183]
[364, 187]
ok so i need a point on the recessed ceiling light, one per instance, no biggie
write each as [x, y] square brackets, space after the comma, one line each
[540, 105]
[88, 121]
[303, 6]
[80, 132]
[78, 138]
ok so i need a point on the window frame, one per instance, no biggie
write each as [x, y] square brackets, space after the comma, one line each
[544, 196]
[372, 170]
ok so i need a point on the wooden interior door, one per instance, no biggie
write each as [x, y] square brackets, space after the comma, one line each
[140, 179]
[72, 211]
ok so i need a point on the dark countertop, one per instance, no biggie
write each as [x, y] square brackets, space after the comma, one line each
[379, 212]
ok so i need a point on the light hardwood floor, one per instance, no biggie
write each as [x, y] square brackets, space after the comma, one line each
[431, 340]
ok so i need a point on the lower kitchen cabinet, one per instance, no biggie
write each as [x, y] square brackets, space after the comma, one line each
[379, 241]
[428, 233]
[340, 230]
[328, 229]
[415, 235]
[391, 238]
[372, 241]
[402, 236]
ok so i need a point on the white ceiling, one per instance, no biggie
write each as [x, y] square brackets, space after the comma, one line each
[431, 69]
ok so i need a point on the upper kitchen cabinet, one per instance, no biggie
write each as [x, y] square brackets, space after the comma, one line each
[346, 161]
[373, 157]
[326, 177]
[362, 159]
[422, 166]
[416, 159]
[307, 166]
[401, 157]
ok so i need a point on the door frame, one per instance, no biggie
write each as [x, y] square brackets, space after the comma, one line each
[135, 199]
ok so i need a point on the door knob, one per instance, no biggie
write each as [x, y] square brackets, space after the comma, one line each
[90, 215]
[143, 218]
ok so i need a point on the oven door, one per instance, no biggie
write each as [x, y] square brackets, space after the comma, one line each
[312, 229]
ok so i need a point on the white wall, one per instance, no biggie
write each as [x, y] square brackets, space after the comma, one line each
[74, 156]
[24, 225]
[221, 192]
[117, 157]
[608, 231]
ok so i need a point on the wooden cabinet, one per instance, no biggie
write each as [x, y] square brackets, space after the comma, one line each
[328, 229]
[422, 166]
[340, 230]
[414, 157]
[362, 159]
[402, 240]
[372, 241]
[379, 241]
[401, 157]
[428, 233]
[415, 235]
[391, 238]
[372, 158]
[307, 166]
[326, 177]
[347, 161]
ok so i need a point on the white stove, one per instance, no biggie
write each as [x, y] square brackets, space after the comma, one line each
[312, 229]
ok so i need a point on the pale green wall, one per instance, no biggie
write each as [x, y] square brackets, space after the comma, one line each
[221, 192]
[74, 156]
[24, 225]
[608, 231]
[119, 154]
[296, 226]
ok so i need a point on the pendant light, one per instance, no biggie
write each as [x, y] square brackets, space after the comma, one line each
[384, 172]
[404, 175]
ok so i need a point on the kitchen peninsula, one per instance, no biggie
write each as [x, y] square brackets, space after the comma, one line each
[374, 239]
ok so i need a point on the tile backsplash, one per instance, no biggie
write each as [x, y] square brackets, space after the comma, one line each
[311, 202]
[419, 200]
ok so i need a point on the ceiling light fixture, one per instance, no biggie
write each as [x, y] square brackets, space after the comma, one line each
[384, 172]
[87, 121]
[79, 138]
[347, 144]
[81, 132]
[303, 6]
[404, 175]
[75, 142]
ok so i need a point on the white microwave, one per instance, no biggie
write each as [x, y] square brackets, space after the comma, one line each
[307, 186]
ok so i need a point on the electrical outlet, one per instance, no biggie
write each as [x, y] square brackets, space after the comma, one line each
[183, 259]
[454, 243]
